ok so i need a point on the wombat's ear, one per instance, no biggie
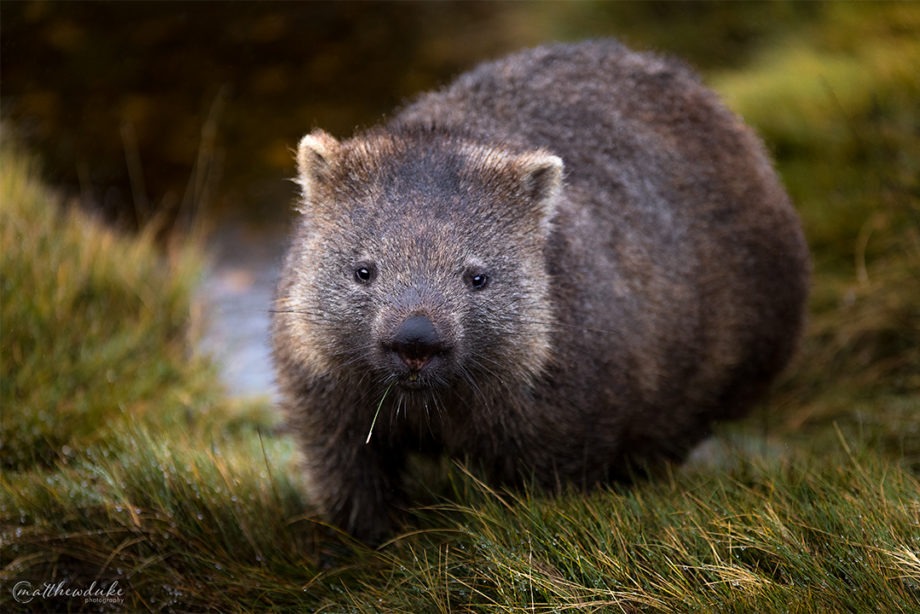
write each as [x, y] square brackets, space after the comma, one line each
[315, 155]
[541, 180]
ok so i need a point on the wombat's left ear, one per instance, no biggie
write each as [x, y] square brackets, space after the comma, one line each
[315, 155]
[541, 180]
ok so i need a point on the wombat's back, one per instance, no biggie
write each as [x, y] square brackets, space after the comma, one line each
[680, 267]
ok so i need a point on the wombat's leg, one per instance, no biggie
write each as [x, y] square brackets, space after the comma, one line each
[357, 487]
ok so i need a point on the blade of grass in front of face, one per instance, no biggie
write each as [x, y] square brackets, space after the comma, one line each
[377, 413]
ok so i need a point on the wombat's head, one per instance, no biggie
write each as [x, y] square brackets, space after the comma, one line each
[420, 261]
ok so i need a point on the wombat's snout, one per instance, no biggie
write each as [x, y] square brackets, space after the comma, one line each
[416, 342]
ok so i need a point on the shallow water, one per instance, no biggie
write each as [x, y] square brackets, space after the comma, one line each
[235, 297]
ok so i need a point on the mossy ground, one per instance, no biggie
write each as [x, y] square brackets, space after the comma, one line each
[123, 460]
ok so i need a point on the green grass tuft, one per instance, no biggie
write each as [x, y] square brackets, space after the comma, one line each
[768, 536]
[95, 326]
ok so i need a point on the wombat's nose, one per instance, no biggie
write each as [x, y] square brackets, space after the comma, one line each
[416, 341]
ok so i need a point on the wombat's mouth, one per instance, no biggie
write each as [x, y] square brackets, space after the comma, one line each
[429, 376]
[413, 381]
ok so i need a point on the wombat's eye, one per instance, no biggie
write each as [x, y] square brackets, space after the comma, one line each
[365, 273]
[476, 280]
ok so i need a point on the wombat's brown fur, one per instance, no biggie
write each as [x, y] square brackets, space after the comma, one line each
[564, 266]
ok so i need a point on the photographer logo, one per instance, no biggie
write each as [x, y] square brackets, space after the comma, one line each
[97, 592]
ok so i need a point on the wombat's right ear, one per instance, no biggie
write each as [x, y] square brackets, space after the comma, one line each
[315, 155]
[541, 179]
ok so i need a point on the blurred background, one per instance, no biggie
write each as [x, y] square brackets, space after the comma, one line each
[147, 108]
[182, 116]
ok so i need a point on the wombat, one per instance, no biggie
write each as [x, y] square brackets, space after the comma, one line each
[562, 267]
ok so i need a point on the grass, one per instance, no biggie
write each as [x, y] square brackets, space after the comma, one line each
[123, 460]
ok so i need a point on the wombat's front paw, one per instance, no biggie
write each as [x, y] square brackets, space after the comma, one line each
[365, 519]
[372, 530]
[362, 500]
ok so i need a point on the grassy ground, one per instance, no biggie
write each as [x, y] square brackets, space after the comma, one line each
[123, 461]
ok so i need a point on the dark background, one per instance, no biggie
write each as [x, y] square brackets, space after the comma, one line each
[174, 111]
